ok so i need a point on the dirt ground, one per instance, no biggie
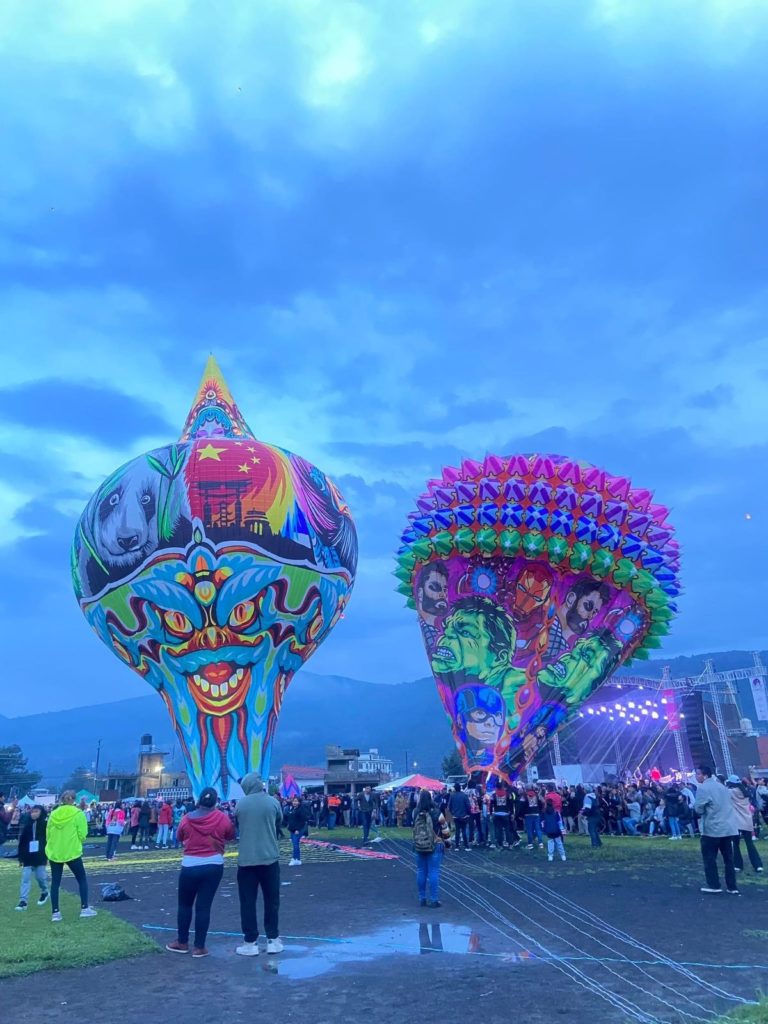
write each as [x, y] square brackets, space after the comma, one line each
[515, 937]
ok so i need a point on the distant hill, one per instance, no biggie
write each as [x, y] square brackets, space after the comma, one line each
[318, 710]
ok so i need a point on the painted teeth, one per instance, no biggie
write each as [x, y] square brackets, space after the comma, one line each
[214, 690]
[224, 690]
[240, 673]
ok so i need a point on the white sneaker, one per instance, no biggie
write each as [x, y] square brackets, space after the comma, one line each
[563, 857]
[293, 863]
[550, 859]
[134, 847]
[274, 945]
[56, 916]
[248, 949]
[88, 912]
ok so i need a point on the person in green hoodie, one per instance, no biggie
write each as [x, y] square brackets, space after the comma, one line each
[67, 828]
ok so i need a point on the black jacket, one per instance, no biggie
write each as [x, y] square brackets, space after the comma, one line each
[32, 830]
[296, 818]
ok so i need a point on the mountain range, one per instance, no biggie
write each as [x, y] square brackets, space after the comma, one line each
[403, 720]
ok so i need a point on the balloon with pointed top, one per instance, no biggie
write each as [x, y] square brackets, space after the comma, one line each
[534, 577]
[214, 567]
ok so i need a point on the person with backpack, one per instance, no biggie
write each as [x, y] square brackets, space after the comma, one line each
[553, 828]
[115, 826]
[431, 836]
[31, 854]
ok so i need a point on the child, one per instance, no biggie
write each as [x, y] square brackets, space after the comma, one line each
[552, 827]
[32, 857]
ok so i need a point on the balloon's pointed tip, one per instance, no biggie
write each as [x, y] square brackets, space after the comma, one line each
[214, 412]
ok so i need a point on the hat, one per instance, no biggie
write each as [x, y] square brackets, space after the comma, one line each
[733, 780]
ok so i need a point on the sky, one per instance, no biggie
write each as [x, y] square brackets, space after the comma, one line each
[410, 232]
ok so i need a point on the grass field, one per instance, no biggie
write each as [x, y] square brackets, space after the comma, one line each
[31, 942]
[748, 1015]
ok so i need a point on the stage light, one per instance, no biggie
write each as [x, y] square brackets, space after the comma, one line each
[648, 703]
[654, 714]
[602, 708]
[663, 700]
[645, 711]
[622, 714]
[617, 707]
[631, 704]
[591, 711]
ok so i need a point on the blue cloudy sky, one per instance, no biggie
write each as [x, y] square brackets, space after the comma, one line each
[410, 232]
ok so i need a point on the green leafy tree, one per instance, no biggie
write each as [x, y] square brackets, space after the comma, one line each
[452, 764]
[15, 774]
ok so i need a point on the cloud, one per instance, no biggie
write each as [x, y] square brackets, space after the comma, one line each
[411, 234]
[81, 410]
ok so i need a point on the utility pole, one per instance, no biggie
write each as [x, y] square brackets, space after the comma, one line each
[98, 756]
[406, 762]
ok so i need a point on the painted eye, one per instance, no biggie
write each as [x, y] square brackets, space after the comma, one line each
[242, 614]
[178, 623]
[114, 498]
[145, 499]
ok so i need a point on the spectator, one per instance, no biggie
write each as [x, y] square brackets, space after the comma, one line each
[164, 822]
[460, 808]
[296, 822]
[366, 806]
[115, 826]
[204, 832]
[430, 839]
[552, 827]
[31, 854]
[591, 812]
[66, 830]
[718, 828]
[259, 817]
[743, 811]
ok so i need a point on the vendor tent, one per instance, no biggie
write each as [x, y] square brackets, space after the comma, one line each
[85, 794]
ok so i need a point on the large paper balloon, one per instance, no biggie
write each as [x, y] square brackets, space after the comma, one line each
[214, 568]
[534, 577]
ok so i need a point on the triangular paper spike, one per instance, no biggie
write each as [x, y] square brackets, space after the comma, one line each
[214, 412]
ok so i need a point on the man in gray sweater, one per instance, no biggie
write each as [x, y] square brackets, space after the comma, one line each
[258, 865]
[717, 824]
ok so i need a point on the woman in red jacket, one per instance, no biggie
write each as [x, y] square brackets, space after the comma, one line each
[203, 833]
[164, 822]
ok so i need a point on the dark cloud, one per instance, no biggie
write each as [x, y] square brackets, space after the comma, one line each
[83, 410]
[715, 398]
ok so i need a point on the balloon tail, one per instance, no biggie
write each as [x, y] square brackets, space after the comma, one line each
[222, 732]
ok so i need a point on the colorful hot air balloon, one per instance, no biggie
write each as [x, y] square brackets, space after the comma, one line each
[214, 567]
[534, 577]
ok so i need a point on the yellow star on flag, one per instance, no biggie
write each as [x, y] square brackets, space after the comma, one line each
[245, 468]
[255, 460]
[209, 452]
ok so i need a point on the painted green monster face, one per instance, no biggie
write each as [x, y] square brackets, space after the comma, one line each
[578, 672]
[464, 645]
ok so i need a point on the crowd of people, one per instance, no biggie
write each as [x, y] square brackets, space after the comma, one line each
[723, 812]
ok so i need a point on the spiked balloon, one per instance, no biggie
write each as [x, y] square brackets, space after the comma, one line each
[534, 577]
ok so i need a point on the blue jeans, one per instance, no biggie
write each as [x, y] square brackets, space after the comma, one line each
[533, 829]
[296, 841]
[593, 825]
[41, 877]
[331, 819]
[630, 825]
[112, 842]
[428, 871]
[674, 826]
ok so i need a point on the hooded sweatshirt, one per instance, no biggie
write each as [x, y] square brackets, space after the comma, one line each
[204, 834]
[742, 808]
[67, 829]
[259, 817]
[32, 832]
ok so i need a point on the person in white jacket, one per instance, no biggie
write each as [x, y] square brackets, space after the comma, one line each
[743, 808]
[717, 823]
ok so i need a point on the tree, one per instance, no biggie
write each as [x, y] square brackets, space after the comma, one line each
[80, 778]
[452, 765]
[15, 774]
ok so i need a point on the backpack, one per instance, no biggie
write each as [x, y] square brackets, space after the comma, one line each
[424, 833]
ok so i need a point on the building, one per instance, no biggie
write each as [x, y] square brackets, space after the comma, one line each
[351, 769]
[152, 778]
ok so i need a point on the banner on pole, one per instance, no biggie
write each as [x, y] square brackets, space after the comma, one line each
[760, 697]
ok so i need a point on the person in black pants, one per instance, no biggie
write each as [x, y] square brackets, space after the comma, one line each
[259, 816]
[203, 832]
